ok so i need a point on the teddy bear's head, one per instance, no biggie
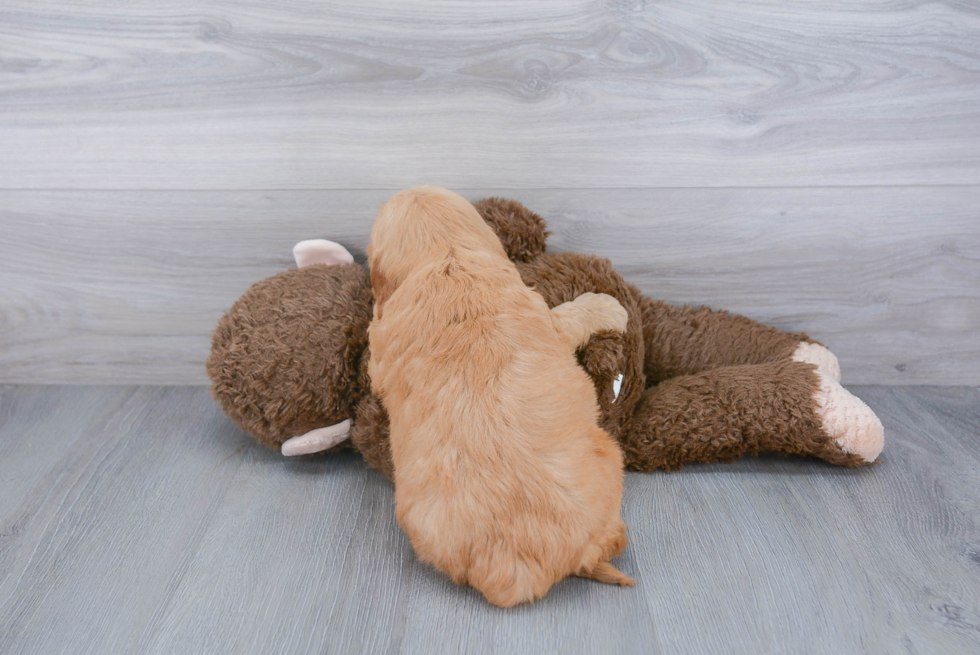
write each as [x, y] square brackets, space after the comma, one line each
[522, 233]
[286, 358]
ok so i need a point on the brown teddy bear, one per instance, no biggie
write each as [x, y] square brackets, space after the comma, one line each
[289, 364]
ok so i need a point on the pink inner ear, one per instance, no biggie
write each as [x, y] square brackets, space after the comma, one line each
[316, 441]
[320, 251]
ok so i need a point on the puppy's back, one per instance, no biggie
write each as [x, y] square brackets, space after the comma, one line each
[513, 544]
[503, 480]
[502, 477]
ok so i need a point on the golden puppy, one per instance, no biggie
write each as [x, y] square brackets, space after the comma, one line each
[503, 479]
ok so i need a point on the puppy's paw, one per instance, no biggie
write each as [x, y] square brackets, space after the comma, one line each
[606, 312]
[814, 353]
[848, 421]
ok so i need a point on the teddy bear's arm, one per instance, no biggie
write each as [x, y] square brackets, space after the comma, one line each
[687, 340]
[784, 407]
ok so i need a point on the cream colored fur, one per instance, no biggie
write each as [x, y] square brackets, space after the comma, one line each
[845, 417]
[503, 478]
[848, 420]
[814, 353]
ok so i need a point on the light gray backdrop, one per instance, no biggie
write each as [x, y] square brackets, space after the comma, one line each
[807, 165]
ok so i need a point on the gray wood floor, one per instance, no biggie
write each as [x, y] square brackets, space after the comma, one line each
[140, 520]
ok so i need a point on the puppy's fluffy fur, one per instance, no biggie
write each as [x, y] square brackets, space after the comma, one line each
[503, 478]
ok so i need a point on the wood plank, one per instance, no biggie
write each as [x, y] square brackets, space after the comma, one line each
[113, 287]
[40, 427]
[163, 529]
[786, 556]
[308, 557]
[99, 542]
[572, 94]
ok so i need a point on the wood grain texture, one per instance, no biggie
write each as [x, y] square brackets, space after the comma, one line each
[106, 528]
[786, 557]
[113, 287]
[180, 94]
[152, 525]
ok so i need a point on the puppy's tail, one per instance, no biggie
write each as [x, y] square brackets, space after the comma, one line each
[606, 572]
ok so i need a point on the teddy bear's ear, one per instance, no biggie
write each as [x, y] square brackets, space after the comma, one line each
[316, 441]
[320, 251]
[522, 232]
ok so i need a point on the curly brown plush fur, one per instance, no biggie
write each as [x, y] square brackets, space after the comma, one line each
[698, 385]
[521, 232]
[686, 340]
[285, 359]
[722, 414]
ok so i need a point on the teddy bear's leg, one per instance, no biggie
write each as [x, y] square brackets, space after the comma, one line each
[785, 407]
[687, 340]
[577, 320]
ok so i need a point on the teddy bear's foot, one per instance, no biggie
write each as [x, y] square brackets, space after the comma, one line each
[847, 420]
[320, 251]
[814, 353]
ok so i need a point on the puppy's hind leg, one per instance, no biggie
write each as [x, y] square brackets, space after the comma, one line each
[595, 560]
[577, 320]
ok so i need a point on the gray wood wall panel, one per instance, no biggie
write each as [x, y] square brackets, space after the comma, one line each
[152, 525]
[811, 164]
[180, 94]
[112, 287]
